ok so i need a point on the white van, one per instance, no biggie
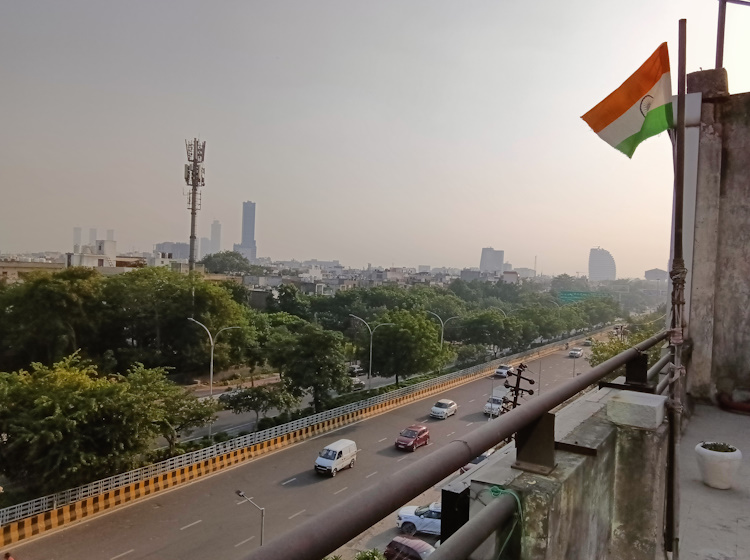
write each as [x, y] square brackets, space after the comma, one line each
[336, 456]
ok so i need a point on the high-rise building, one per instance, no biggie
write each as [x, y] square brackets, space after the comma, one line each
[248, 248]
[92, 236]
[601, 265]
[76, 239]
[492, 260]
[204, 247]
[215, 237]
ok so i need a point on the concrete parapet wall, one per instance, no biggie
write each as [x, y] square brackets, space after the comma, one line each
[719, 325]
[605, 501]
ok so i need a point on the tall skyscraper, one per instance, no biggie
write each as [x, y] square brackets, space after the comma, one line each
[492, 260]
[215, 237]
[204, 247]
[77, 238]
[248, 248]
[601, 265]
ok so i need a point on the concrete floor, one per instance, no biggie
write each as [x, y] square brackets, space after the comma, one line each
[714, 524]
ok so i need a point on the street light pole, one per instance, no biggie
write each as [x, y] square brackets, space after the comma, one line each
[212, 340]
[241, 494]
[372, 332]
[443, 323]
[442, 332]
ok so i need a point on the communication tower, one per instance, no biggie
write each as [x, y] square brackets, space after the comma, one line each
[195, 175]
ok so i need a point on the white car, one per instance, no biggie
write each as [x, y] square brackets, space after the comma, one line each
[503, 370]
[443, 408]
[420, 519]
[575, 353]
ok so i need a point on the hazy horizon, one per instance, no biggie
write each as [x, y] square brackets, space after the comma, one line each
[389, 133]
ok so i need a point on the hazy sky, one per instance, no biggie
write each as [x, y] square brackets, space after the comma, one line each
[391, 132]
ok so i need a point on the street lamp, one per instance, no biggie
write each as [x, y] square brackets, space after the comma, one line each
[241, 494]
[372, 332]
[212, 340]
[442, 332]
[443, 323]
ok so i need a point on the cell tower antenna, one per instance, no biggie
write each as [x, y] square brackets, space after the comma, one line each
[194, 177]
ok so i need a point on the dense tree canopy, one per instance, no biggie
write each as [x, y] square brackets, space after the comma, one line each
[66, 425]
[225, 262]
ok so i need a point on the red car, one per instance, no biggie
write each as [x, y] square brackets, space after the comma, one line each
[412, 437]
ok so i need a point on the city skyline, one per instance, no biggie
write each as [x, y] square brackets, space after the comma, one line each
[389, 133]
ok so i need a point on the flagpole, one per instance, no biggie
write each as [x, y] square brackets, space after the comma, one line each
[678, 274]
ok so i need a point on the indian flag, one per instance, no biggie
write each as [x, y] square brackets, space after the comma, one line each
[640, 108]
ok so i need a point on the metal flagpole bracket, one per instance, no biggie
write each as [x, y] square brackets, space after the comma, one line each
[535, 446]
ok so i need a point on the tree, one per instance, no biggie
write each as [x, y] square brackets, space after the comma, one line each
[49, 316]
[411, 345]
[65, 425]
[145, 321]
[258, 400]
[311, 360]
[601, 351]
[493, 329]
[225, 262]
[290, 300]
[175, 412]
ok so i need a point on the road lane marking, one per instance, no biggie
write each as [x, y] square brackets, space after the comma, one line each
[244, 501]
[298, 513]
[401, 459]
[371, 474]
[485, 394]
[450, 434]
[472, 400]
[190, 525]
[381, 440]
[123, 554]
[245, 541]
[339, 491]
[469, 424]
[288, 481]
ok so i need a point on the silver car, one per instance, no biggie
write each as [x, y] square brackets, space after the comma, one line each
[443, 408]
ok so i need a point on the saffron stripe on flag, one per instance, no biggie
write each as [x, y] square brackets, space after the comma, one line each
[630, 92]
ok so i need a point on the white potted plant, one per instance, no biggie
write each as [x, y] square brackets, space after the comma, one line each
[718, 463]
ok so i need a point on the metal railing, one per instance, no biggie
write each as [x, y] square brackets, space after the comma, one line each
[313, 540]
[53, 501]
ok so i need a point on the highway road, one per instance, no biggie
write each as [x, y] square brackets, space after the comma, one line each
[206, 519]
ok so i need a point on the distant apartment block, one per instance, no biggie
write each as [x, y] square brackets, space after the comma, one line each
[601, 265]
[469, 274]
[177, 250]
[491, 261]
[526, 272]
[657, 274]
[248, 248]
[215, 246]
[423, 268]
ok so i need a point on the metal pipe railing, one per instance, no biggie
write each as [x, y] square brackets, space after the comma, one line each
[663, 384]
[464, 541]
[313, 540]
[654, 370]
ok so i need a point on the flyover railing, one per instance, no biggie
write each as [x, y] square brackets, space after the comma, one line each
[313, 540]
[54, 501]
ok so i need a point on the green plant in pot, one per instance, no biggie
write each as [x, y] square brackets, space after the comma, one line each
[718, 463]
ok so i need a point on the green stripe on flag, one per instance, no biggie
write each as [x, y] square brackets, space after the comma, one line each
[657, 120]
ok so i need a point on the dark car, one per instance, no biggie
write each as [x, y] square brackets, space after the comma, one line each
[476, 460]
[407, 548]
[412, 437]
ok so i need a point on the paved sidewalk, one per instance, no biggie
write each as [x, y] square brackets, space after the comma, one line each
[714, 524]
